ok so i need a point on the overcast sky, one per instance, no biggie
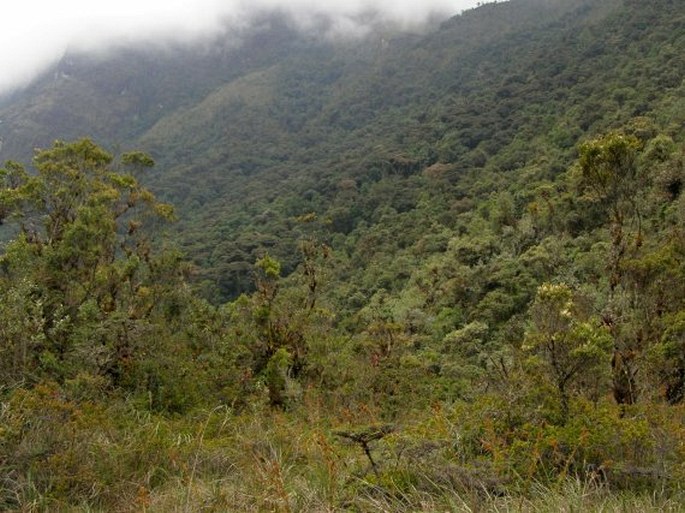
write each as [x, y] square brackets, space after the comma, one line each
[35, 33]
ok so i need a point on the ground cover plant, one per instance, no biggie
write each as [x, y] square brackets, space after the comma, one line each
[442, 274]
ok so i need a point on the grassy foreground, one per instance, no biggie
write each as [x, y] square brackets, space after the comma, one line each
[85, 458]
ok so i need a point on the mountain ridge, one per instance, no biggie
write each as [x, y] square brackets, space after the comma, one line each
[303, 114]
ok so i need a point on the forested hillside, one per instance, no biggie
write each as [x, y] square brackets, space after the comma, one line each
[407, 272]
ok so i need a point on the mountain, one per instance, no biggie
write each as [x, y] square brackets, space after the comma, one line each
[243, 130]
[424, 266]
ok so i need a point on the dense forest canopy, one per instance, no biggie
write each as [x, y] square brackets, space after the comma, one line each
[410, 272]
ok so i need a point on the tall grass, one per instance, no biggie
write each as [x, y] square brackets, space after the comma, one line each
[57, 456]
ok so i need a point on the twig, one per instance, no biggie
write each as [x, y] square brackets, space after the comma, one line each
[367, 436]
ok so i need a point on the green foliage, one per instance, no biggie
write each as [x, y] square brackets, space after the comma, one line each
[408, 233]
[137, 159]
[571, 348]
[671, 354]
[609, 169]
[80, 285]
[608, 165]
[276, 376]
[269, 267]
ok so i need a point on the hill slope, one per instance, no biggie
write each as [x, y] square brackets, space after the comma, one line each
[250, 137]
[430, 270]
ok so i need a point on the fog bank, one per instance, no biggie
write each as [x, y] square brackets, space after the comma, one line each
[36, 33]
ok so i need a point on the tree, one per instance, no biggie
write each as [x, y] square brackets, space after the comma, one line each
[609, 169]
[80, 264]
[672, 349]
[570, 347]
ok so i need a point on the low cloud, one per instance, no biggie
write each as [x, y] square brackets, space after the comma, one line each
[36, 33]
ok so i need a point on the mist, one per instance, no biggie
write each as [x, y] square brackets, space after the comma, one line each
[37, 33]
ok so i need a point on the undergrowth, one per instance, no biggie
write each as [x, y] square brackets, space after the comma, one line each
[62, 456]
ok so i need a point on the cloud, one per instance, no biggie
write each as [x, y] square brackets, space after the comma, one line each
[36, 33]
